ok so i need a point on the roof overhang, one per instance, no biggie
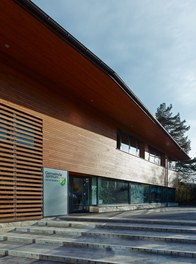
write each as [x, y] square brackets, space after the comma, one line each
[32, 38]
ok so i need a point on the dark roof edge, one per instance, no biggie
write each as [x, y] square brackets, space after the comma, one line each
[66, 36]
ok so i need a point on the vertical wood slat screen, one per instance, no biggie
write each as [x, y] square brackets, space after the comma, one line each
[20, 165]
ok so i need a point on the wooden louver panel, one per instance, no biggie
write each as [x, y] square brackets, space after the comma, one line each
[20, 165]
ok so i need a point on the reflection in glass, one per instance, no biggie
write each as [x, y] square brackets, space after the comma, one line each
[112, 191]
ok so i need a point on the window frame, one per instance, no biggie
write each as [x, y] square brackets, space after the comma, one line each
[133, 144]
[154, 156]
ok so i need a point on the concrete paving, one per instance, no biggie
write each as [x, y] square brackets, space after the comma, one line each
[165, 235]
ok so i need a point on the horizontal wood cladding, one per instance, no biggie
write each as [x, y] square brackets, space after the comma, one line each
[76, 137]
[20, 165]
[86, 152]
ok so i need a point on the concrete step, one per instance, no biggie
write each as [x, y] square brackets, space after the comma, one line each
[38, 238]
[122, 226]
[135, 258]
[59, 253]
[146, 227]
[87, 224]
[96, 239]
[102, 240]
[55, 253]
[99, 242]
[18, 260]
[106, 233]
[42, 230]
[91, 219]
[114, 231]
[72, 252]
[67, 224]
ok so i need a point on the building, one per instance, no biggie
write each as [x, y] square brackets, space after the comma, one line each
[73, 137]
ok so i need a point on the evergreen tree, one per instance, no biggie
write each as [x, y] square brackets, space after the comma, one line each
[177, 129]
[174, 126]
[187, 167]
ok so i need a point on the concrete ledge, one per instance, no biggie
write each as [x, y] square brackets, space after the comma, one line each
[126, 207]
[6, 227]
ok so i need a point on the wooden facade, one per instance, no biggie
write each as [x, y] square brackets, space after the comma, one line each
[69, 109]
[21, 164]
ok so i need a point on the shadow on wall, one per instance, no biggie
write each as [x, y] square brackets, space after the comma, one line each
[157, 175]
[173, 177]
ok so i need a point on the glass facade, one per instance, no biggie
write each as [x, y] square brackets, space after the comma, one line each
[104, 191]
[144, 193]
[100, 191]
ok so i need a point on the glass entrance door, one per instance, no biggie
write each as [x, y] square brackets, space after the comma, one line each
[79, 194]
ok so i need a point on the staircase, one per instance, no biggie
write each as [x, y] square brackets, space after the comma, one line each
[86, 240]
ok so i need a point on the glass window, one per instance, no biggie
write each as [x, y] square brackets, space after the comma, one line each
[118, 192]
[134, 147]
[112, 191]
[139, 193]
[172, 165]
[78, 194]
[128, 144]
[144, 193]
[124, 145]
[153, 156]
[94, 191]
[155, 194]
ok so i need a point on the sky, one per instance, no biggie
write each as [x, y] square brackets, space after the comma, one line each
[150, 44]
